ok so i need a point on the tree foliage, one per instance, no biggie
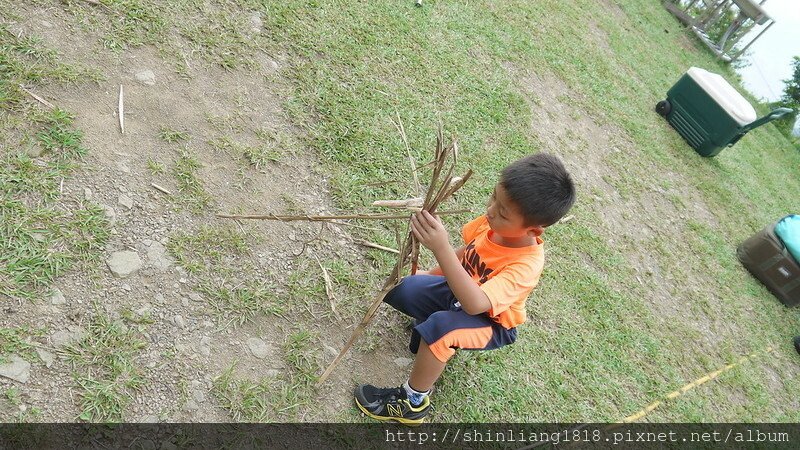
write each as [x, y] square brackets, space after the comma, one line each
[790, 98]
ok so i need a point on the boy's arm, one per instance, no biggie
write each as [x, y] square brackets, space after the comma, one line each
[437, 270]
[431, 233]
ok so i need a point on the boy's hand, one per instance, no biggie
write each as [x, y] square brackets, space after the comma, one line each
[430, 232]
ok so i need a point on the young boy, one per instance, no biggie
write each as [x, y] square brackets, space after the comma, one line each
[475, 298]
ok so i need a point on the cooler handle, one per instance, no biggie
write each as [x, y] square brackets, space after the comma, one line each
[774, 114]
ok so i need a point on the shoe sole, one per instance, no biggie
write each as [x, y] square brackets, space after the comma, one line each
[402, 420]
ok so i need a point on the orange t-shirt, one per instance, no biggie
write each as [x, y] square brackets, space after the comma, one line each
[506, 275]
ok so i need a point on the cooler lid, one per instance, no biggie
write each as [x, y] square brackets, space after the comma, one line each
[725, 95]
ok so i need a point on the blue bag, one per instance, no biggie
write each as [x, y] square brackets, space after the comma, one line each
[788, 230]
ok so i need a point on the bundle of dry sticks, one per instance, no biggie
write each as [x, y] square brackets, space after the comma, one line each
[442, 186]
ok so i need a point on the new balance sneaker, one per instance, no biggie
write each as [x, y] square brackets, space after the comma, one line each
[390, 404]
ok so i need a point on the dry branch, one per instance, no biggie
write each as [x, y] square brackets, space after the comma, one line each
[159, 188]
[377, 246]
[328, 288]
[402, 130]
[409, 250]
[415, 202]
[327, 218]
[37, 98]
[121, 111]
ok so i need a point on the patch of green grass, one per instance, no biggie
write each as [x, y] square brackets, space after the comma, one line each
[39, 239]
[191, 192]
[303, 356]
[16, 341]
[60, 138]
[12, 395]
[219, 34]
[204, 249]
[37, 244]
[171, 136]
[155, 167]
[127, 23]
[106, 369]
[249, 401]
[273, 398]
[261, 155]
[240, 304]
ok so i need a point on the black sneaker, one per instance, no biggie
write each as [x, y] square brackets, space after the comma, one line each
[797, 344]
[390, 405]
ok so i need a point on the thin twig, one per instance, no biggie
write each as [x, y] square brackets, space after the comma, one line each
[305, 243]
[402, 130]
[121, 111]
[415, 202]
[328, 288]
[378, 246]
[37, 98]
[327, 218]
[354, 225]
[161, 189]
[566, 219]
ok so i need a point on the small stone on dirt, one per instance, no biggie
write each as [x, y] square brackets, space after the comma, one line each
[256, 23]
[62, 338]
[146, 77]
[158, 256]
[199, 396]
[87, 193]
[110, 214]
[125, 263]
[403, 362]
[330, 351]
[190, 405]
[259, 348]
[179, 321]
[16, 369]
[125, 201]
[149, 419]
[57, 298]
[34, 151]
[46, 357]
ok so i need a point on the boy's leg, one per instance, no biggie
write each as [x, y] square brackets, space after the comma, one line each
[446, 331]
[427, 369]
[419, 296]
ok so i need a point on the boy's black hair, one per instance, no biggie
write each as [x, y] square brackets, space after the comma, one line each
[541, 188]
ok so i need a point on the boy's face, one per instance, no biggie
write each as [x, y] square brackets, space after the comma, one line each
[505, 218]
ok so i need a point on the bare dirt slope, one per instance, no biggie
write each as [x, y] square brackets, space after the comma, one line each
[218, 113]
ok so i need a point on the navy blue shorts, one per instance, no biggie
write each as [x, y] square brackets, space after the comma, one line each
[441, 322]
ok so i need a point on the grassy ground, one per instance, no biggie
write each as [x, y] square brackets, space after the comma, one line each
[594, 350]
[608, 354]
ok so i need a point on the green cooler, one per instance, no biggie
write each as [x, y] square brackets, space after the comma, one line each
[709, 113]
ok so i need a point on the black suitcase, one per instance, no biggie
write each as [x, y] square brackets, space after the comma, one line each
[765, 256]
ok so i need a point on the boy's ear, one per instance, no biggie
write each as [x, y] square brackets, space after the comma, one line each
[535, 231]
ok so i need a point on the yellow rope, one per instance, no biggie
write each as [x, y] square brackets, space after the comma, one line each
[677, 393]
